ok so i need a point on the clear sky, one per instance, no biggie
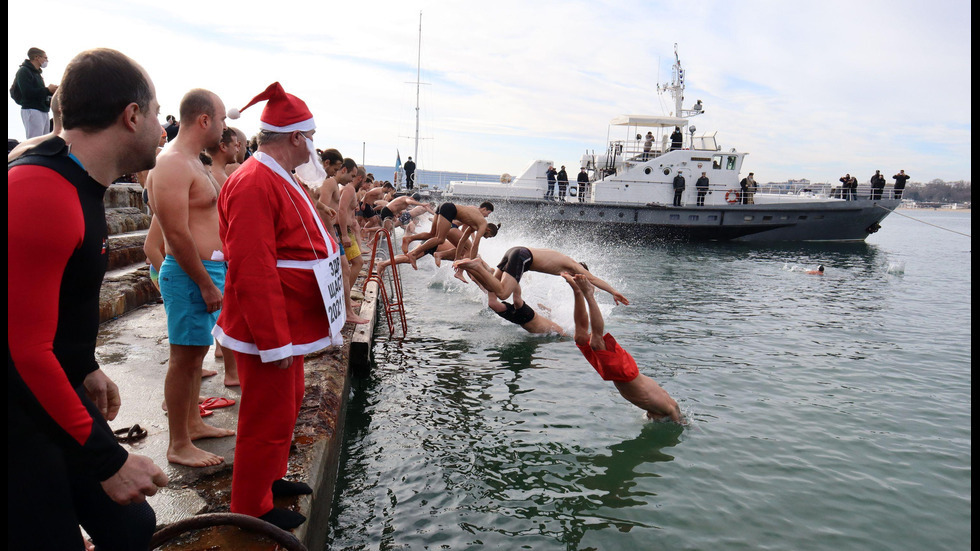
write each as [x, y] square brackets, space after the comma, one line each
[810, 90]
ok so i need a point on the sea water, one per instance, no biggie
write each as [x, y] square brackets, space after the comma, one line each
[824, 412]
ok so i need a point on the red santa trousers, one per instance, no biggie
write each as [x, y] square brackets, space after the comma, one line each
[270, 402]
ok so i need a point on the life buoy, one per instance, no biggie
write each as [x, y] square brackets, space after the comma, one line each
[731, 196]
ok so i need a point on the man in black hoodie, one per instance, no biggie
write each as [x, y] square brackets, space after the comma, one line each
[32, 95]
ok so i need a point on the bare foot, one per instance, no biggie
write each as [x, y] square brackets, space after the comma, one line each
[381, 268]
[467, 263]
[192, 456]
[459, 275]
[584, 284]
[218, 354]
[354, 318]
[405, 243]
[200, 400]
[571, 281]
[411, 260]
[232, 381]
[205, 373]
[204, 430]
[437, 259]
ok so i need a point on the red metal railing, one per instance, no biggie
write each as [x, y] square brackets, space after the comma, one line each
[390, 306]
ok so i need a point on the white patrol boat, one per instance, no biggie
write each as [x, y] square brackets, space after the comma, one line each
[631, 187]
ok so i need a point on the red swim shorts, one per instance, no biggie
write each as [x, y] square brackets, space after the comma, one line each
[613, 363]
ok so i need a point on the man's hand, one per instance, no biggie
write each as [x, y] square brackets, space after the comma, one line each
[101, 390]
[283, 363]
[212, 297]
[52, 88]
[618, 298]
[139, 477]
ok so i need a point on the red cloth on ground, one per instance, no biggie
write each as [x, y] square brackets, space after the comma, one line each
[613, 363]
[267, 412]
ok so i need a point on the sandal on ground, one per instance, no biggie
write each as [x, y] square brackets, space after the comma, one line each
[204, 412]
[216, 402]
[131, 434]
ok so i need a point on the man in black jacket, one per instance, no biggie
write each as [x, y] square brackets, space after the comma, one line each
[32, 95]
[583, 184]
[702, 185]
[679, 185]
[877, 185]
[900, 180]
[562, 183]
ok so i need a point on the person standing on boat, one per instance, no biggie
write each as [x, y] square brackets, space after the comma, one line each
[583, 184]
[551, 173]
[676, 139]
[845, 187]
[702, 186]
[877, 185]
[410, 173]
[900, 180]
[750, 188]
[562, 183]
[647, 146]
[679, 185]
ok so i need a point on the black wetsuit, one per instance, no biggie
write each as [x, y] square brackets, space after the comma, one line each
[519, 316]
[516, 261]
[59, 447]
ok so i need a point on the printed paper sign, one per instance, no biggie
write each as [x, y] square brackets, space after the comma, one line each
[330, 279]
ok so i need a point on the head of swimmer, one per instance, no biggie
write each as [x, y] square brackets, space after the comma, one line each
[491, 230]
[486, 208]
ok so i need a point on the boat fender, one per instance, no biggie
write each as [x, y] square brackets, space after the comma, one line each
[731, 196]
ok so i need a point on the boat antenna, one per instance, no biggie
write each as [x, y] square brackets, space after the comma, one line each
[418, 78]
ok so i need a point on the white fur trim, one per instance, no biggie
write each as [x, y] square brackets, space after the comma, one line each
[302, 126]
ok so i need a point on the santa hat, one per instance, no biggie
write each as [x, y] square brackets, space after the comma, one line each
[282, 113]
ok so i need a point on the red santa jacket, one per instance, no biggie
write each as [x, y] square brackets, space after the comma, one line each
[273, 311]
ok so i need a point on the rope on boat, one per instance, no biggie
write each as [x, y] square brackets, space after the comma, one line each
[895, 211]
[244, 522]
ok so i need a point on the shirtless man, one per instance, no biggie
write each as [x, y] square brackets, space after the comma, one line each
[520, 313]
[475, 220]
[444, 249]
[222, 156]
[392, 211]
[242, 148]
[184, 196]
[352, 180]
[505, 280]
[610, 360]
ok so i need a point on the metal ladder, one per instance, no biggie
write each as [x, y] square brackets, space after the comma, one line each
[390, 306]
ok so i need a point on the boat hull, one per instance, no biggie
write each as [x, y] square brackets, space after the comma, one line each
[837, 221]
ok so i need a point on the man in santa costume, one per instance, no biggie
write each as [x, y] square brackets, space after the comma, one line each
[281, 298]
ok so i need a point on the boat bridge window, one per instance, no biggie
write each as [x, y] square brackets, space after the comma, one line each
[731, 162]
[716, 161]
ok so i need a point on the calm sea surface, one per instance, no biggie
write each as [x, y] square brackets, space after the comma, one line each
[824, 412]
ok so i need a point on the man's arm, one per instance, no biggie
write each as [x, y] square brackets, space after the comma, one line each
[36, 258]
[618, 297]
[170, 185]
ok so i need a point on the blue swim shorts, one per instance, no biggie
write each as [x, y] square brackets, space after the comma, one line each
[188, 321]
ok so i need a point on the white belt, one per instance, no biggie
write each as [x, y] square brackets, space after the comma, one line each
[298, 264]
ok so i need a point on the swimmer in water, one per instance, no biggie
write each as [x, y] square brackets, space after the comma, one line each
[818, 271]
[610, 360]
[520, 313]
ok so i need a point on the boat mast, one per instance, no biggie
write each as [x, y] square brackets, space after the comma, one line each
[418, 84]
